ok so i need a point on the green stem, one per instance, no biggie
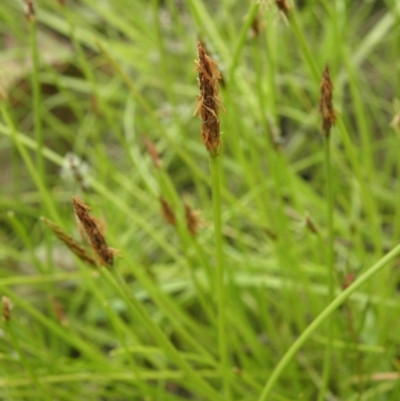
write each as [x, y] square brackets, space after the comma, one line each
[305, 50]
[330, 264]
[37, 101]
[242, 39]
[220, 276]
[338, 301]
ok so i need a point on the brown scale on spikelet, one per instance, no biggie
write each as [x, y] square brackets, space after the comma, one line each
[167, 212]
[92, 228]
[192, 220]
[151, 149]
[73, 246]
[208, 101]
[283, 7]
[325, 103]
[29, 10]
[6, 308]
[221, 80]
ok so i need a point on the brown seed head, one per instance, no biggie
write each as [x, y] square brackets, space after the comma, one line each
[151, 148]
[29, 10]
[73, 246]
[93, 232]
[208, 101]
[167, 212]
[6, 308]
[325, 103]
[192, 220]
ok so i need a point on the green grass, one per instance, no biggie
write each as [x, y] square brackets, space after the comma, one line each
[259, 305]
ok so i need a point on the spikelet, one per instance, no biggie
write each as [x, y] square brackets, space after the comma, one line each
[151, 149]
[192, 220]
[93, 232]
[325, 103]
[167, 212]
[208, 101]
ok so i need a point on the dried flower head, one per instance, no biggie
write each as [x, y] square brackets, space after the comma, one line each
[93, 232]
[7, 306]
[192, 220]
[167, 212]
[29, 10]
[325, 103]
[208, 101]
[151, 148]
[73, 246]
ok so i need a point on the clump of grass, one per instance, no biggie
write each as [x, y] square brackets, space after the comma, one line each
[274, 298]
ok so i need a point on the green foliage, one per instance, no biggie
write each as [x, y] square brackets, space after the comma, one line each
[269, 304]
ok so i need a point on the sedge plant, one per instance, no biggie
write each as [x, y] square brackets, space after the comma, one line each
[257, 262]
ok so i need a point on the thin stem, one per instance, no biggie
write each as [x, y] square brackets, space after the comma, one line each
[242, 38]
[338, 301]
[305, 50]
[330, 264]
[220, 276]
[37, 101]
